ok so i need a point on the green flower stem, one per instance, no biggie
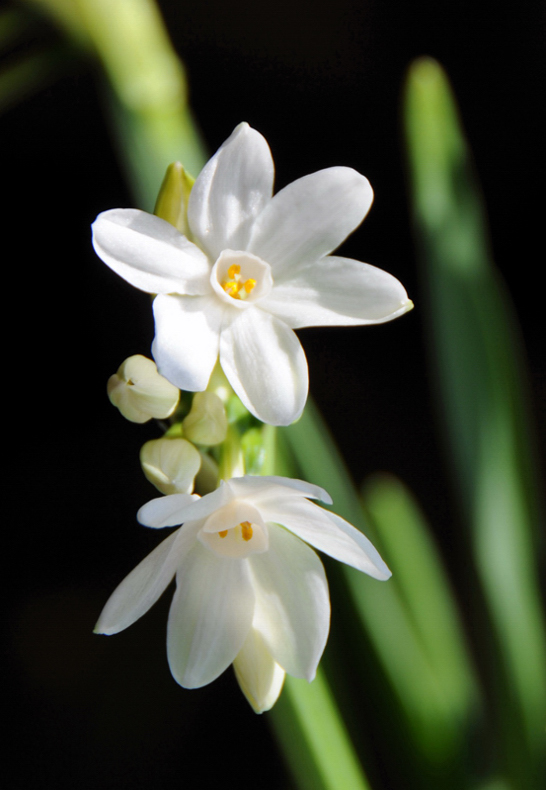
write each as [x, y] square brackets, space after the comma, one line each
[314, 739]
[477, 361]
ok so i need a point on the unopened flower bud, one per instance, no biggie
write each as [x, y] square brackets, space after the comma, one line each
[207, 422]
[172, 201]
[170, 464]
[140, 392]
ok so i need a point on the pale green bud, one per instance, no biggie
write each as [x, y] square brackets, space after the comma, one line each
[170, 464]
[140, 392]
[172, 201]
[207, 422]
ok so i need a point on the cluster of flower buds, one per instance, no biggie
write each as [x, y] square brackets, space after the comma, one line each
[235, 270]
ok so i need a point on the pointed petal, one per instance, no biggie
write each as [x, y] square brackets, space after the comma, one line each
[292, 603]
[263, 489]
[168, 511]
[266, 366]
[150, 253]
[259, 676]
[187, 331]
[328, 533]
[337, 292]
[231, 191]
[210, 617]
[310, 218]
[144, 585]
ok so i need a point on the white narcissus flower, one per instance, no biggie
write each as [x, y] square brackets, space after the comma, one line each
[250, 591]
[253, 268]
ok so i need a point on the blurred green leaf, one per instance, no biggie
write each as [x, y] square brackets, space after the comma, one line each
[315, 741]
[478, 362]
[147, 94]
[425, 592]
[436, 717]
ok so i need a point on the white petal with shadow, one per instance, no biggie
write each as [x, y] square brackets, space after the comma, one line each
[329, 533]
[292, 603]
[266, 366]
[210, 616]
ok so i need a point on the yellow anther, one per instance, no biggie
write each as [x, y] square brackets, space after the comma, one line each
[246, 530]
[232, 288]
[235, 287]
[223, 533]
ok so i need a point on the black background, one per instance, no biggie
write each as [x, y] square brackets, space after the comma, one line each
[322, 81]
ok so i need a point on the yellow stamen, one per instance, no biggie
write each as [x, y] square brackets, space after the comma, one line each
[249, 285]
[246, 530]
[223, 533]
[233, 270]
[232, 288]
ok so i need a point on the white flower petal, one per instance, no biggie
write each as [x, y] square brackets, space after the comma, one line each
[230, 191]
[310, 218]
[150, 253]
[260, 490]
[187, 331]
[259, 676]
[338, 292]
[144, 585]
[210, 617]
[266, 366]
[327, 532]
[168, 511]
[292, 603]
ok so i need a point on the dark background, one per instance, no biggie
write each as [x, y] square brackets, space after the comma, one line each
[322, 81]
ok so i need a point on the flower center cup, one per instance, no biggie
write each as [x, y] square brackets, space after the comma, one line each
[240, 278]
[236, 530]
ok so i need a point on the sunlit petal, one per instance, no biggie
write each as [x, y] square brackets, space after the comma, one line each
[150, 253]
[310, 218]
[231, 191]
[187, 337]
[338, 292]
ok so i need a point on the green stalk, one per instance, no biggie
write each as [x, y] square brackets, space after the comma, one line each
[147, 97]
[314, 739]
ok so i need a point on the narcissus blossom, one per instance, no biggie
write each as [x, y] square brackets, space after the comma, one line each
[249, 589]
[252, 269]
